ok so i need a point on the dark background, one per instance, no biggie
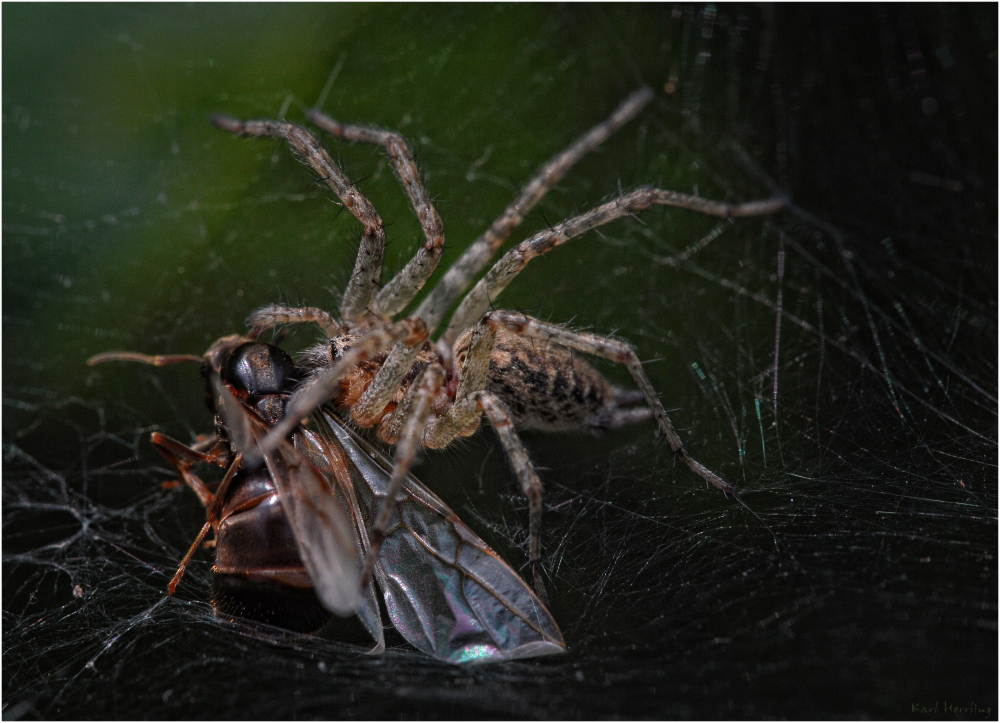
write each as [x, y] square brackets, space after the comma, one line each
[857, 579]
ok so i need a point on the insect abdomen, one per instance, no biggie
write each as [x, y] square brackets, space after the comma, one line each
[255, 540]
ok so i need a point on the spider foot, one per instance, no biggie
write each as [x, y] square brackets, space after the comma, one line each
[537, 584]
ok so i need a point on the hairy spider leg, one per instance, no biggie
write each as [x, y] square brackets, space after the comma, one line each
[400, 290]
[267, 317]
[531, 485]
[368, 267]
[480, 298]
[415, 409]
[475, 258]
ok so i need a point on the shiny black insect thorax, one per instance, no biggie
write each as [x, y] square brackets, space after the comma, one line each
[262, 376]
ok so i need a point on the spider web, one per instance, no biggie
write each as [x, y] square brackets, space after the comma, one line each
[836, 362]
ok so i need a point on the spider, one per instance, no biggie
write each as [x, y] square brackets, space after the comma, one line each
[518, 371]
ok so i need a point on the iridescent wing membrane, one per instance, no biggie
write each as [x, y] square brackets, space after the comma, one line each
[445, 590]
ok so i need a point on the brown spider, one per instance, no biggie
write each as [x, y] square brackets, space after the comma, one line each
[518, 371]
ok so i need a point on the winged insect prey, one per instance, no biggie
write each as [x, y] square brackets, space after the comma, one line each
[302, 519]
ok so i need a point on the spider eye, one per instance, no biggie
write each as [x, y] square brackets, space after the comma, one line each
[338, 347]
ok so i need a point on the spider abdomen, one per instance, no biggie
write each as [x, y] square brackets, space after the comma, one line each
[548, 387]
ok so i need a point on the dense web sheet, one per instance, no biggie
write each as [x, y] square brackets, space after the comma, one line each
[837, 362]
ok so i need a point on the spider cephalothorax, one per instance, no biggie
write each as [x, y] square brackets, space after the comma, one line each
[517, 371]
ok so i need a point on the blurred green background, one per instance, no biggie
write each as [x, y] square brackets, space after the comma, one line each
[860, 577]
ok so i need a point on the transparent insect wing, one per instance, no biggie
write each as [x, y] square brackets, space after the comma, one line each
[323, 530]
[445, 590]
[327, 459]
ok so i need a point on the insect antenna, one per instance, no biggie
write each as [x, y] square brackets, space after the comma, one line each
[156, 360]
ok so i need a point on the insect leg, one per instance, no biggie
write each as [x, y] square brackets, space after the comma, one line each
[457, 279]
[416, 414]
[183, 458]
[211, 521]
[211, 445]
[510, 265]
[621, 353]
[368, 267]
[270, 316]
[499, 417]
[400, 290]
